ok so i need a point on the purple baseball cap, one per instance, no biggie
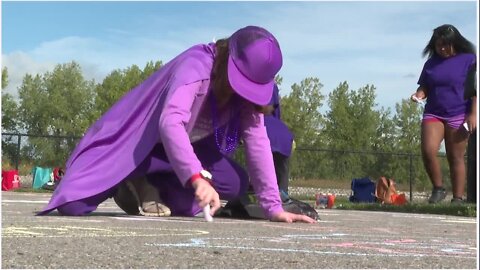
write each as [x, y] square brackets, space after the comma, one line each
[254, 60]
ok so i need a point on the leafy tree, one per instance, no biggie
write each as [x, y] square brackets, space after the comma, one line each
[385, 134]
[4, 78]
[119, 82]
[278, 80]
[56, 103]
[352, 125]
[9, 121]
[9, 107]
[384, 142]
[301, 113]
[407, 122]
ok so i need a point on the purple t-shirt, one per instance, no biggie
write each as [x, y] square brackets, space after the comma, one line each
[444, 79]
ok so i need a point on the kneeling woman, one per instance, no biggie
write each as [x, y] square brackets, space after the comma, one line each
[154, 149]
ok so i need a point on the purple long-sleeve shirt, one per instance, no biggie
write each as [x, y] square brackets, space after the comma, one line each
[177, 114]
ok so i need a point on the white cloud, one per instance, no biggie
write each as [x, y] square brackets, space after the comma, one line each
[19, 64]
[362, 43]
[96, 58]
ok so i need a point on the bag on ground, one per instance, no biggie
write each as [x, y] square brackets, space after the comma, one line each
[10, 180]
[41, 176]
[363, 190]
[386, 192]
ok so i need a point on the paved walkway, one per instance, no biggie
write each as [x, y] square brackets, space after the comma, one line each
[342, 239]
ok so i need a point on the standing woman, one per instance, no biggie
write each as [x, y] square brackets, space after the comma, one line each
[164, 147]
[441, 83]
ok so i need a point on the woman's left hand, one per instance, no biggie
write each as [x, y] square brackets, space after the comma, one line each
[471, 121]
[291, 217]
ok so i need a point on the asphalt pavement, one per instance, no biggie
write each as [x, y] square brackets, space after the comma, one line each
[108, 238]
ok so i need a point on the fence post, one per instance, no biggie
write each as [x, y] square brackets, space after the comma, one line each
[411, 176]
[17, 156]
[472, 168]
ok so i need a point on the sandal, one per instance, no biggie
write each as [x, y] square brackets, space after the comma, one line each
[438, 194]
[154, 209]
[138, 197]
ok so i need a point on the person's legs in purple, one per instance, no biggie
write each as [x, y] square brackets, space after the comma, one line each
[229, 179]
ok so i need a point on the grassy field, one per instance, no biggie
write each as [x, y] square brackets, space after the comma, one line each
[421, 206]
[442, 208]
[345, 184]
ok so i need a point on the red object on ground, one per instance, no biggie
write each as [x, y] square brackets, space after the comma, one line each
[58, 174]
[331, 200]
[399, 199]
[10, 180]
[324, 200]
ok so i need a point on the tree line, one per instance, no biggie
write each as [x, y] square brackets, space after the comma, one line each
[352, 137]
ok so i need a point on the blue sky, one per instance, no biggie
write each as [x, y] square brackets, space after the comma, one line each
[373, 42]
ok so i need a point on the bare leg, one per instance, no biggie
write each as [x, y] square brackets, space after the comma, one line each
[431, 138]
[455, 145]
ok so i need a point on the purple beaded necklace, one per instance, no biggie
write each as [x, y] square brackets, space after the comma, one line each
[222, 134]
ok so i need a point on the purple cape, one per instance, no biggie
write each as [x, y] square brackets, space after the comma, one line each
[125, 135]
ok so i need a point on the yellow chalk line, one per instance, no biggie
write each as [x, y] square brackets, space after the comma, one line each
[74, 231]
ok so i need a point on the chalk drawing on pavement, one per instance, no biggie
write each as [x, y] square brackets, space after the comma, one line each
[329, 244]
[467, 221]
[186, 220]
[81, 231]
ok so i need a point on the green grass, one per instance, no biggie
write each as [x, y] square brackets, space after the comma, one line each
[31, 190]
[420, 207]
[443, 208]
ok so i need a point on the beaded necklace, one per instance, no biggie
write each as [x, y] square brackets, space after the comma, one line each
[230, 136]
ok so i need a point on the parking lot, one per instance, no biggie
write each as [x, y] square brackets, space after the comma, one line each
[341, 239]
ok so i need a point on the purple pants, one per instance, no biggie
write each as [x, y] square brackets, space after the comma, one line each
[229, 179]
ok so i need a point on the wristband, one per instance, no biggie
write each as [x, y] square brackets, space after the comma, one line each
[203, 174]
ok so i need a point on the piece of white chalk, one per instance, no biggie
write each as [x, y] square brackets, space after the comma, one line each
[206, 213]
[465, 125]
[418, 100]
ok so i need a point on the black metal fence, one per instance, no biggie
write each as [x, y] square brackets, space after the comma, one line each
[343, 165]
[307, 164]
[35, 148]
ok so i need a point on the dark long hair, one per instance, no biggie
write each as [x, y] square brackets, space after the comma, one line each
[451, 36]
[220, 64]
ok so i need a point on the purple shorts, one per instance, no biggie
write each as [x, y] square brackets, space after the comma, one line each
[454, 122]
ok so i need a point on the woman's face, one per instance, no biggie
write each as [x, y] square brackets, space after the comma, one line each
[444, 49]
[267, 109]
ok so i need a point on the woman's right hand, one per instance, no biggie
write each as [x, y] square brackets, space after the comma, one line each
[206, 194]
[418, 96]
